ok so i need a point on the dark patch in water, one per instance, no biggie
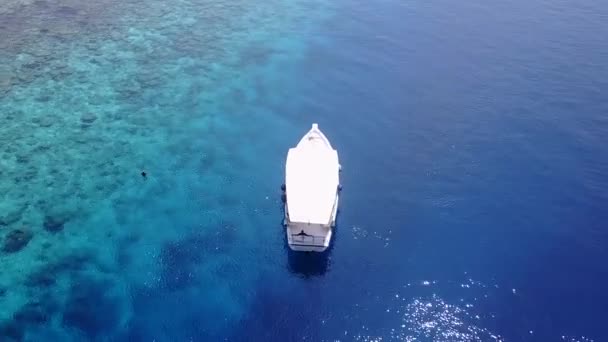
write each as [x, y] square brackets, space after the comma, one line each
[256, 55]
[66, 11]
[16, 240]
[88, 118]
[46, 276]
[72, 262]
[179, 263]
[187, 320]
[180, 259]
[54, 222]
[123, 252]
[11, 331]
[11, 217]
[36, 312]
[41, 4]
[90, 308]
[207, 160]
[269, 319]
[41, 279]
[228, 270]
[43, 98]
[228, 200]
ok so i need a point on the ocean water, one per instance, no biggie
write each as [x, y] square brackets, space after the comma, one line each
[473, 138]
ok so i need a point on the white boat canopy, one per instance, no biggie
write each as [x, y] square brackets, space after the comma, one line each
[312, 179]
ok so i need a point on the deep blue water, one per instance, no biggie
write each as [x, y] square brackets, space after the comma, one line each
[472, 137]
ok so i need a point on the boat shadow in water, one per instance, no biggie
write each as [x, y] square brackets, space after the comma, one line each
[308, 264]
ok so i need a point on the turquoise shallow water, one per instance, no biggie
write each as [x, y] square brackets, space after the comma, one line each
[92, 94]
[472, 138]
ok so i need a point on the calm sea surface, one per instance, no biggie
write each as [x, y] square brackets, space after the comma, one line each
[473, 138]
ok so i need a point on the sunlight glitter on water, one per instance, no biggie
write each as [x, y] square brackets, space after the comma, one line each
[437, 320]
[577, 339]
[434, 317]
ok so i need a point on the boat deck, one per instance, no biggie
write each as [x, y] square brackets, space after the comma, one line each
[312, 179]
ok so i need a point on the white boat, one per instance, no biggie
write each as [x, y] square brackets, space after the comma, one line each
[312, 186]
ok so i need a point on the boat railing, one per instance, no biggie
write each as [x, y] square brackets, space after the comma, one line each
[308, 239]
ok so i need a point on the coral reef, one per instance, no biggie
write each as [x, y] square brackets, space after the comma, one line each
[54, 222]
[88, 118]
[16, 240]
[91, 94]
[84, 295]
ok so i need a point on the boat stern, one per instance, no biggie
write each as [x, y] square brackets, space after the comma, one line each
[306, 237]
